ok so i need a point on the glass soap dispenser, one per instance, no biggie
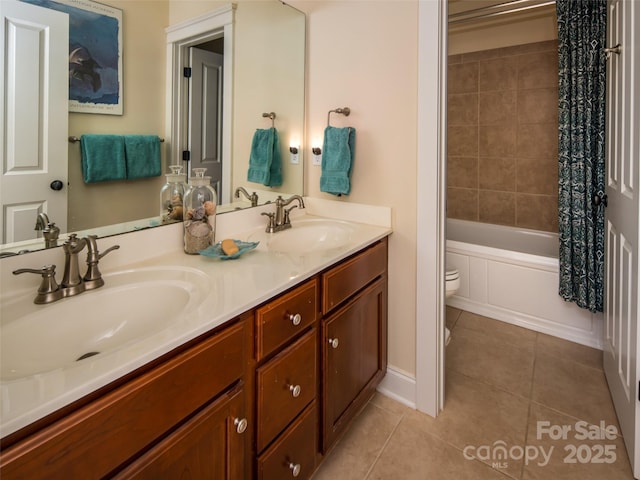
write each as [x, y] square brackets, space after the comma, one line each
[172, 196]
[200, 202]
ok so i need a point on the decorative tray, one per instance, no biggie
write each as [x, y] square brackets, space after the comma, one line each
[215, 251]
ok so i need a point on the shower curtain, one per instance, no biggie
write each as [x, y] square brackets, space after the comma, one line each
[581, 122]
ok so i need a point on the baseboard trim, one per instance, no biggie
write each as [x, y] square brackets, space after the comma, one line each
[399, 387]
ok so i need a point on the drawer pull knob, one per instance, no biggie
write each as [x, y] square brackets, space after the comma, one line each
[334, 342]
[295, 390]
[241, 424]
[295, 468]
[295, 319]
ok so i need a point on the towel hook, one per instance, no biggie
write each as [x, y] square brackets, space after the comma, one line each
[73, 139]
[272, 116]
[344, 111]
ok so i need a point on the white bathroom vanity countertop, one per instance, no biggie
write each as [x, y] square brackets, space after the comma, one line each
[232, 288]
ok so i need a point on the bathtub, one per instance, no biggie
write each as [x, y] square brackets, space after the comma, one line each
[511, 274]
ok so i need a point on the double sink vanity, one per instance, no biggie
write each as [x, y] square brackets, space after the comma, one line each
[192, 367]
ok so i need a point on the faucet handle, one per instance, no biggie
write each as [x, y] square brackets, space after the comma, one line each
[271, 226]
[48, 291]
[287, 212]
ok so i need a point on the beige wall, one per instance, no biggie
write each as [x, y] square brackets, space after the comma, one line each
[144, 55]
[363, 55]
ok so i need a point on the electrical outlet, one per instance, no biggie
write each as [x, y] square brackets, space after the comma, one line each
[317, 160]
[295, 158]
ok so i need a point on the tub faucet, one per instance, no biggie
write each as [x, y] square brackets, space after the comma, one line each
[253, 198]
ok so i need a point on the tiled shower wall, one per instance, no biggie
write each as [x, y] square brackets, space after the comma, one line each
[503, 136]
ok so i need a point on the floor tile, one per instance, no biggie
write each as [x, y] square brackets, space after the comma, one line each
[477, 416]
[558, 347]
[502, 331]
[358, 449]
[451, 317]
[490, 360]
[567, 454]
[414, 454]
[573, 389]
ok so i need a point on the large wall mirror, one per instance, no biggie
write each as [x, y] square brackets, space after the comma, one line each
[268, 65]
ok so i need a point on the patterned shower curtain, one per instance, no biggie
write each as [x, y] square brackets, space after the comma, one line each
[581, 39]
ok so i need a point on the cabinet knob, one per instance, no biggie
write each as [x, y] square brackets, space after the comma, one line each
[241, 424]
[295, 319]
[334, 342]
[295, 468]
[295, 390]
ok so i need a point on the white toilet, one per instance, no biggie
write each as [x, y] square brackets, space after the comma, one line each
[452, 284]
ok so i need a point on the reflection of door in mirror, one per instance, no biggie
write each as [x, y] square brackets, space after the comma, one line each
[205, 115]
[34, 123]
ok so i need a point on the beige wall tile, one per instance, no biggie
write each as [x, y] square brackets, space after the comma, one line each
[537, 141]
[497, 173]
[538, 70]
[462, 203]
[497, 140]
[462, 78]
[462, 172]
[537, 175]
[498, 74]
[497, 108]
[538, 105]
[497, 207]
[462, 140]
[539, 212]
[462, 109]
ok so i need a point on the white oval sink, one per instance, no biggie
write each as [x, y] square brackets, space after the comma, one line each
[132, 305]
[307, 236]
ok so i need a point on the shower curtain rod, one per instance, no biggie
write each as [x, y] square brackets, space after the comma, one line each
[496, 10]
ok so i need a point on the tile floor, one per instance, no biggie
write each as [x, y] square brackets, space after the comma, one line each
[505, 386]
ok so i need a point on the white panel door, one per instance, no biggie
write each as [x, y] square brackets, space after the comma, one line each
[621, 244]
[34, 120]
[205, 115]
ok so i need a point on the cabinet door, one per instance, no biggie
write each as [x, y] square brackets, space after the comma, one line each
[354, 358]
[210, 446]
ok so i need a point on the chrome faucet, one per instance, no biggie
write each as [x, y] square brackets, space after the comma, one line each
[72, 283]
[280, 220]
[49, 230]
[253, 198]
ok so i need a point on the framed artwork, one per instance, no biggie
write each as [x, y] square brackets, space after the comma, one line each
[95, 55]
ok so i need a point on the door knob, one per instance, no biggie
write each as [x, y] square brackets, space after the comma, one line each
[56, 185]
[599, 199]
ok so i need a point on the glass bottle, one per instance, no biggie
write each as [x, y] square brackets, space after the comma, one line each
[172, 196]
[200, 202]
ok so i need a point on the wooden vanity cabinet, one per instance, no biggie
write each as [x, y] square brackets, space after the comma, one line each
[183, 406]
[286, 385]
[354, 337]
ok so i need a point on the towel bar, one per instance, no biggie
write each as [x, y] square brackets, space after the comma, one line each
[272, 116]
[344, 111]
[73, 139]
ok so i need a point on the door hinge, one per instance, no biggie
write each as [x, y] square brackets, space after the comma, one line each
[187, 72]
[186, 155]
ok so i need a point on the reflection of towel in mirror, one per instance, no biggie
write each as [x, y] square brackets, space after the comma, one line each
[265, 163]
[337, 159]
[142, 153]
[103, 158]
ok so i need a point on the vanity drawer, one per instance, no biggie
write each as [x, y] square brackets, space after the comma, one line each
[344, 280]
[284, 386]
[280, 320]
[295, 450]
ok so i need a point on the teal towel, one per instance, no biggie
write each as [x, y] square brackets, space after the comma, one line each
[142, 154]
[337, 159]
[103, 158]
[265, 163]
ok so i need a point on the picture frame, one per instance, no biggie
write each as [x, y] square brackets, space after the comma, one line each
[95, 55]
